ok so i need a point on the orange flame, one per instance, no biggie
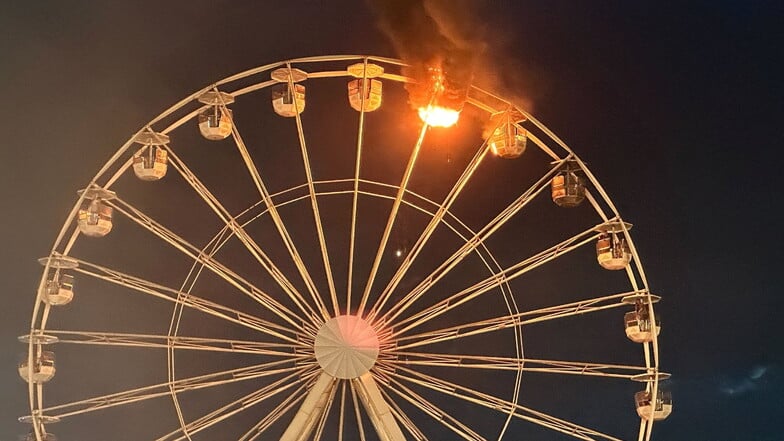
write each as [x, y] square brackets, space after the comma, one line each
[437, 116]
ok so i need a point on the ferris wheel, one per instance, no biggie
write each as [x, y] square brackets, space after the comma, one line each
[316, 262]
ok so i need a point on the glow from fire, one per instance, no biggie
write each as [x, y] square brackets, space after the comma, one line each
[437, 116]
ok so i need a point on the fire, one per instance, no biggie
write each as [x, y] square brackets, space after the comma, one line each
[438, 116]
[438, 95]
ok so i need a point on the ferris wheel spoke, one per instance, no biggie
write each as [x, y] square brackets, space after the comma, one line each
[355, 194]
[595, 205]
[239, 405]
[175, 342]
[432, 410]
[401, 416]
[206, 260]
[511, 320]
[653, 388]
[538, 142]
[275, 414]
[470, 245]
[278, 221]
[494, 281]
[342, 410]
[517, 364]
[313, 200]
[435, 221]
[215, 379]
[499, 404]
[193, 302]
[391, 220]
[643, 427]
[239, 232]
[357, 413]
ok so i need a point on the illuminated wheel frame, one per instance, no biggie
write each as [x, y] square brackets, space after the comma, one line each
[332, 367]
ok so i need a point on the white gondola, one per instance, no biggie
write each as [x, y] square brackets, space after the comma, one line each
[370, 88]
[612, 249]
[612, 252]
[150, 163]
[215, 122]
[639, 326]
[655, 410]
[94, 218]
[43, 368]
[365, 87]
[567, 188]
[58, 290]
[288, 98]
[287, 103]
[504, 136]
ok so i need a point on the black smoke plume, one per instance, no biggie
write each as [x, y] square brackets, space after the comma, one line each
[436, 38]
[454, 38]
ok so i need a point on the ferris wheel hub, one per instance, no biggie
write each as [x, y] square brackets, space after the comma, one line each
[346, 347]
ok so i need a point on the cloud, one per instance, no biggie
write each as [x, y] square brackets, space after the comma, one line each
[748, 383]
[758, 372]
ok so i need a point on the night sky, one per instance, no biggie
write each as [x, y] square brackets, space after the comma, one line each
[677, 109]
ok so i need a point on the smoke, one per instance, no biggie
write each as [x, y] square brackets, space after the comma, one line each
[747, 383]
[432, 36]
[449, 35]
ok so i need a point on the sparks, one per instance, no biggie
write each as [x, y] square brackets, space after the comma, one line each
[437, 116]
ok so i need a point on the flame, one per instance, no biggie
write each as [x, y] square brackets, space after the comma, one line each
[437, 116]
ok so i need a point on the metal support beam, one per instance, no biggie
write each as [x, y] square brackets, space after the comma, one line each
[377, 409]
[309, 413]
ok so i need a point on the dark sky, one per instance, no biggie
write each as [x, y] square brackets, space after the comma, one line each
[677, 109]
